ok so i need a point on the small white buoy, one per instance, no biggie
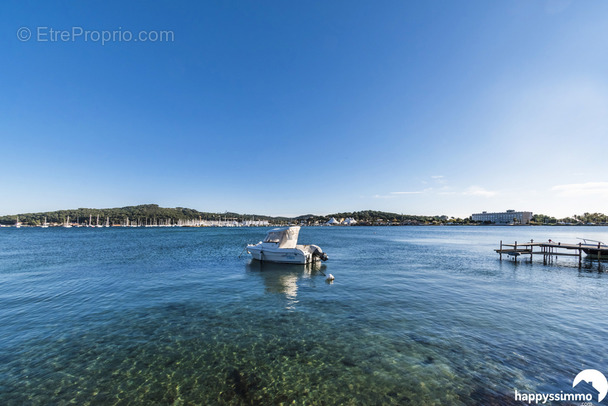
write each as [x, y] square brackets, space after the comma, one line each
[330, 277]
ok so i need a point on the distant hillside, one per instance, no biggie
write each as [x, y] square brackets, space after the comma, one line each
[142, 213]
[372, 217]
[152, 213]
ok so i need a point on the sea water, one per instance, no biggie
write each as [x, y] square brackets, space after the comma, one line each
[416, 315]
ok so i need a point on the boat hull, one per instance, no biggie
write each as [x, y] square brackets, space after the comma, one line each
[280, 255]
[595, 253]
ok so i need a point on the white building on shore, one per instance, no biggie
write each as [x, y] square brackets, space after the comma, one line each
[506, 217]
[349, 221]
[332, 222]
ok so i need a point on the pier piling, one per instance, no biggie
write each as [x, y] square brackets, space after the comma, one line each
[531, 252]
[500, 253]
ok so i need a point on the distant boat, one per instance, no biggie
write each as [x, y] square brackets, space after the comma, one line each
[45, 224]
[67, 223]
[18, 223]
[98, 225]
[281, 245]
[107, 222]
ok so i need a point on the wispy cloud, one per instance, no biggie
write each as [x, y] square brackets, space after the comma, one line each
[445, 190]
[384, 196]
[439, 179]
[582, 189]
[393, 195]
[478, 191]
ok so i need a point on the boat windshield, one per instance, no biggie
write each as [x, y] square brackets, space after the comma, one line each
[273, 236]
[285, 237]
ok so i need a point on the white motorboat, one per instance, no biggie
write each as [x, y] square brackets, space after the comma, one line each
[281, 245]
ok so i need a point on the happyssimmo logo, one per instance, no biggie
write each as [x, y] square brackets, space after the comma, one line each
[592, 377]
[596, 379]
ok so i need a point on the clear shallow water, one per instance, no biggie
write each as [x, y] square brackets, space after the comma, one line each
[416, 315]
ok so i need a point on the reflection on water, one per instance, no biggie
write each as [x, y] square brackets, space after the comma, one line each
[284, 278]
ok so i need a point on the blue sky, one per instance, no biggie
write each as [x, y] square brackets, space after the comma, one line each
[287, 108]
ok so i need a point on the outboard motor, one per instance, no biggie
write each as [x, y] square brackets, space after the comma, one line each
[318, 253]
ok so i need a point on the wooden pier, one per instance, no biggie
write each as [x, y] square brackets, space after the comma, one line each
[552, 248]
